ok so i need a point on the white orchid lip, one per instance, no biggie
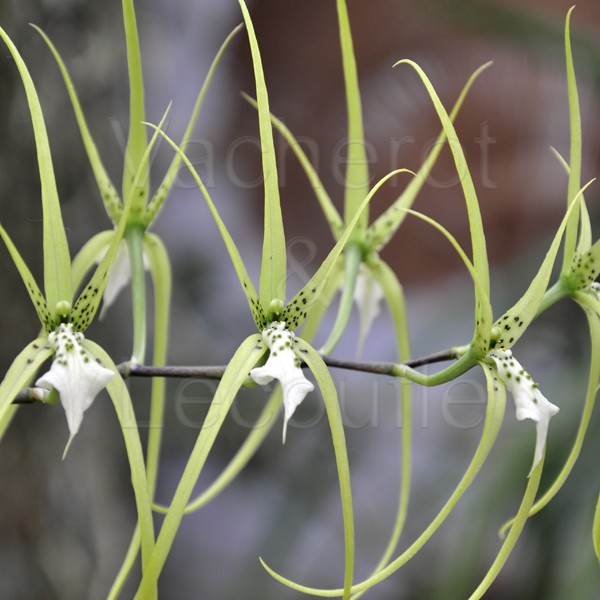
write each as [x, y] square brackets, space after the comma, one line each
[529, 401]
[283, 365]
[74, 374]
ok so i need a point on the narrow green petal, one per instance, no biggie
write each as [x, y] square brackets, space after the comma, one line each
[481, 334]
[575, 152]
[384, 227]
[247, 355]
[38, 300]
[328, 390]
[515, 531]
[57, 262]
[588, 409]
[300, 305]
[493, 420]
[329, 210]
[357, 169]
[136, 165]
[273, 266]
[394, 297]
[21, 371]
[513, 323]
[480, 260]
[109, 194]
[238, 264]
[164, 188]
[119, 395]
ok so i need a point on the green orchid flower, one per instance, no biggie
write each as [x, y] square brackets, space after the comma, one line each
[580, 268]
[276, 321]
[139, 250]
[364, 279]
[80, 369]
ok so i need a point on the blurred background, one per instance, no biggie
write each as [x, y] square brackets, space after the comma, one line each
[65, 525]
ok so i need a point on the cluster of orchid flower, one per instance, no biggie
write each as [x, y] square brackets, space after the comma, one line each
[80, 369]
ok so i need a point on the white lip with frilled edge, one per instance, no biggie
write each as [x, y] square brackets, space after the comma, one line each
[284, 366]
[529, 401]
[74, 374]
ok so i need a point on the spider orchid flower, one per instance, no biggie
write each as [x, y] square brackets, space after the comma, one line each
[79, 370]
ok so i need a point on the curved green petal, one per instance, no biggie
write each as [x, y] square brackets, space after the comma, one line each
[238, 264]
[119, 395]
[515, 531]
[385, 226]
[493, 420]
[246, 356]
[164, 188]
[110, 196]
[394, 298]
[323, 378]
[480, 261]
[57, 262]
[258, 432]
[329, 210]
